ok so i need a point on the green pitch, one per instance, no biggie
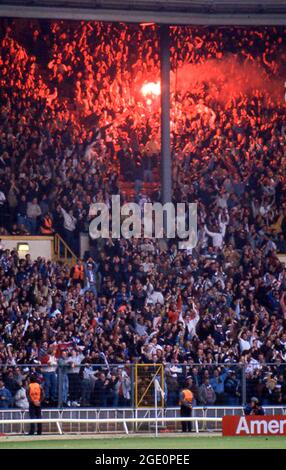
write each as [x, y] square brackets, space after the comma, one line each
[212, 442]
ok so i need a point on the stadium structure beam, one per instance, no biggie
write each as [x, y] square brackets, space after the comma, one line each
[166, 164]
[168, 17]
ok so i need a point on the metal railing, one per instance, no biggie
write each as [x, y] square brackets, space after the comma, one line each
[62, 252]
[89, 421]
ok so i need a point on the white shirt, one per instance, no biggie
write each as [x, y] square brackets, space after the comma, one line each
[217, 238]
[69, 221]
[2, 198]
[153, 348]
[252, 365]
[191, 324]
[155, 297]
[244, 345]
[52, 365]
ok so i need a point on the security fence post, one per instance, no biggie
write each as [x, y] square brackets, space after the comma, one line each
[243, 385]
[60, 386]
[132, 386]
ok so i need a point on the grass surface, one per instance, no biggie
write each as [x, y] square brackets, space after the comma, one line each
[179, 442]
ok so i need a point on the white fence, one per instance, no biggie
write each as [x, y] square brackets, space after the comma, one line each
[93, 420]
[124, 421]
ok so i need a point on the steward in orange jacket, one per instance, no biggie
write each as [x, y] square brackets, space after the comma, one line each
[47, 225]
[186, 401]
[35, 396]
[77, 273]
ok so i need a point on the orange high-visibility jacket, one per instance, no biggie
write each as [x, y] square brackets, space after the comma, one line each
[187, 395]
[78, 273]
[35, 392]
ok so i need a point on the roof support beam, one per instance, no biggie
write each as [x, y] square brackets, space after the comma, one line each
[163, 17]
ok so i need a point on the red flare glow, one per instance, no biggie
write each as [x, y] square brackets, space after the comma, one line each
[151, 88]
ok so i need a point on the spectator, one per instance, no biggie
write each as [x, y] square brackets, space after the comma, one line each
[207, 394]
[74, 361]
[254, 408]
[124, 388]
[49, 368]
[5, 396]
[232, 389]
[172, 387]
[20, 399]
[33, 214]
[92, 277]
[63, 364]
[218, 385]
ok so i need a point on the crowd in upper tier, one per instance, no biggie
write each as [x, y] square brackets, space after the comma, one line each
[71, 114]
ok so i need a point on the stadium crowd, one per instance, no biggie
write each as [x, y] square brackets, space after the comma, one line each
[71, 113]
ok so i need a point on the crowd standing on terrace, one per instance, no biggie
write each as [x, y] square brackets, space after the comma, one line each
[72, 118]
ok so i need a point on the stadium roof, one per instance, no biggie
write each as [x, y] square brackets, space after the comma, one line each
[223, 12]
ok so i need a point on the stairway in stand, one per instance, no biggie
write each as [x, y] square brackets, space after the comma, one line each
[62, 252]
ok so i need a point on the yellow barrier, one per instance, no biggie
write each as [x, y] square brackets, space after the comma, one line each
[62, 252]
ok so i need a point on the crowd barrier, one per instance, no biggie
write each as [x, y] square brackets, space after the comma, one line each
[124, 421]
[89, 421]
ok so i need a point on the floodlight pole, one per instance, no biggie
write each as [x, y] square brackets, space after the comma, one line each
[166, 164]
